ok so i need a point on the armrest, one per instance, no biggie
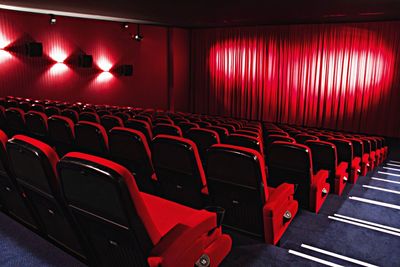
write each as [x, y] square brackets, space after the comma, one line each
[279, 197]
[319, 179]
[342, 168]
[356, 162]
[365, 158]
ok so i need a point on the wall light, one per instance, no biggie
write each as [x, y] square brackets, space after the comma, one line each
[125, 25]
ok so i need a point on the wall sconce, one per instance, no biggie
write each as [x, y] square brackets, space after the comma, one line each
[53, 20]
[137, 36]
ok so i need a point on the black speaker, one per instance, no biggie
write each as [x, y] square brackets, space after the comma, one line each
[125, 70]
[85, 61]
[34, 49]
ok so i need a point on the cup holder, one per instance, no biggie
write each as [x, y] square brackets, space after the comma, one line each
[220, 211]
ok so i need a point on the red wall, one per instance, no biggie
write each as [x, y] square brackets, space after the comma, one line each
[108, 43]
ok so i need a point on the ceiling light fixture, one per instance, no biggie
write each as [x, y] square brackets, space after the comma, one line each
[53, 19]
[137, 36]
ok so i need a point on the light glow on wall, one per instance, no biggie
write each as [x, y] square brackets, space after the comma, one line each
[4, 41]
[104, 76]
[104, 64]
[58, 55]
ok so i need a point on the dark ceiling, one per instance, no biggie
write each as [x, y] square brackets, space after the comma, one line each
[207, 13]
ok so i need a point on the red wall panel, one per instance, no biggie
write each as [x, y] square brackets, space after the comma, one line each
[110, 45]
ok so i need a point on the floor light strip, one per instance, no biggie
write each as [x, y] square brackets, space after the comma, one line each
[385, 180]
[394, 161]
[312, 258]
[368, 222]
[374, 202]
[388, 173]
[393, 169]
[382, 189]
[391, 164]
[332, 254]
[364, 226]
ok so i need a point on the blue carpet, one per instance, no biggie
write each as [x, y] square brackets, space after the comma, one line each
[21, 247]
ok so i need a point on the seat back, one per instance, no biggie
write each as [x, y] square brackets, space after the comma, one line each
[36, 125]
[273, 138]
[291, 163]
[34, 165]
[167, 129]
[179, 170]
[358, 147]
[15, 121]
[107, 206]
[61, 134]
[367, 145]
[89, 116]
[91, 138]
[303, 138]
[70, 113]
[129, 148]
[237, 182]
[10, 197]
[186, 126]
[50, 111]
[204, 139]
[222, 132]
[25, 106]
[141, 126]
[246, 141]
[111, 121]
[344, 150]
[122, 115]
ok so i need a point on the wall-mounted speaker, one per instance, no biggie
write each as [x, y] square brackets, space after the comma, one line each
[34, 49]
[125, 70]
[85, 61]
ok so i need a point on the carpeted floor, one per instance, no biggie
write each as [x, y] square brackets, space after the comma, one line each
[372, 240]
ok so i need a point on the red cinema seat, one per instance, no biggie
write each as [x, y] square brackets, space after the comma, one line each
[144, 117]
[345, 153]
[186, 126]
[358, 151]
[37, 107]
[367, 161]
[34, 165]
[12, 201]
[89, 116]
[141, 126]
[3, 124]
[101, 113]
[292, 163]
[61, 134]
[249, 133]
[246, 141]
[324, 157]
[204, 139]
[179, 170]
[50, 111]
[111, 121]
[250, 206]
[222, 132]
[36, 125]
[129, 148]
[124, 116]
[303, 138]
[167, 129]
[15, 121]
[25, 106]
[163, 121]
[72, 114]
[126, 227]
[91, 138]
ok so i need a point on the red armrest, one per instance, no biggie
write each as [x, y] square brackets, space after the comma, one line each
[365, 158]
[319, 179]
[342, 168]
[278, 197]
[181, 239]
[356, 162]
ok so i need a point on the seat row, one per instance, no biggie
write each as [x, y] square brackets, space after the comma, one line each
[91, 207]
[178, 173]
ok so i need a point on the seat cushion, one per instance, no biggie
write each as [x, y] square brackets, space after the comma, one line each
[166, 214]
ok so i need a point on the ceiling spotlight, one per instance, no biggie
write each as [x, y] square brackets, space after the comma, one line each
[53, 20]
[125, 25]
[137, 36]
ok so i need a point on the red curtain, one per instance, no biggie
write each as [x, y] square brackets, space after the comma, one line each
[337, 76]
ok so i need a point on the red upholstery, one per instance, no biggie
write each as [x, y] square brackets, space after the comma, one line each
[317, 184]
[341, 174]
[178, 233]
